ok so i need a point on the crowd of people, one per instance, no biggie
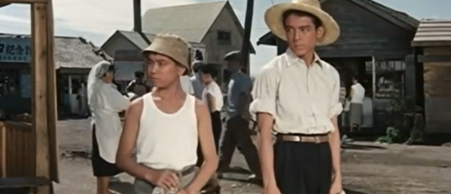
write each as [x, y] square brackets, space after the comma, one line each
[172, 139]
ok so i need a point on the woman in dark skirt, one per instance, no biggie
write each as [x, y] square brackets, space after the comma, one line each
[105, 103]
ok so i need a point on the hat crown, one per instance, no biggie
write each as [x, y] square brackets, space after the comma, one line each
[314, 3]
[172, 46]
[173, 43]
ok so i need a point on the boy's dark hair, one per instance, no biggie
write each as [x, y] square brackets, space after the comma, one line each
[316, 21]
[209, 69]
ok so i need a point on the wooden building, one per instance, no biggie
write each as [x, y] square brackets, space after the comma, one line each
[433, 45]
[28, 148]
[374, 43]
[213, 24]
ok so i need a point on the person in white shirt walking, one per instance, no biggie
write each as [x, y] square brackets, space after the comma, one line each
[356, 108]
[296, 96]
[105, 103]
[163, 128]
[212, 96]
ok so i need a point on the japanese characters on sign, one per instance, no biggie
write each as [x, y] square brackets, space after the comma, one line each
[16, 50]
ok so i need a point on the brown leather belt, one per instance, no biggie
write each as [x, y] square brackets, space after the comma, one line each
[186, 171]
[321, 138]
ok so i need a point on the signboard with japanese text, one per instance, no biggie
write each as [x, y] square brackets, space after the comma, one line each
[15, 50]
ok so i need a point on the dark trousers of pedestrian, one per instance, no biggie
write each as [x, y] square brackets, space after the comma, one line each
[302, 167]
[237, 133]
[216, 125]
[341, 125]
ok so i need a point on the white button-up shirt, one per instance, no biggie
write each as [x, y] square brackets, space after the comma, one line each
[301, 99]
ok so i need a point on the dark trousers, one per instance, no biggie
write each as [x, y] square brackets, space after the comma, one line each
[237, 133]
[216, 125]
[303, 168]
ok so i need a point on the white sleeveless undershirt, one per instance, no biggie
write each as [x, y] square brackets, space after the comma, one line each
[167, 141]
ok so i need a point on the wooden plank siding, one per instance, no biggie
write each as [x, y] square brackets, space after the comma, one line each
[364, 33]
[437, 84]
[19, 151]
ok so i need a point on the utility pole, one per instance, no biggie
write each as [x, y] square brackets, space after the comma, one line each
[247, 34]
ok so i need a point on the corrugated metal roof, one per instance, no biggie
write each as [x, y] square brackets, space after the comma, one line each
[433, 33]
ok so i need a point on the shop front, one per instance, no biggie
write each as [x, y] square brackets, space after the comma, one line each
[15, 78]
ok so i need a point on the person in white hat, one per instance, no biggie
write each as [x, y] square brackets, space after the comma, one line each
[296, 96]
[166, 125]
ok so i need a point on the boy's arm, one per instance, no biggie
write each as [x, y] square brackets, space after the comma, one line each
[207, 146]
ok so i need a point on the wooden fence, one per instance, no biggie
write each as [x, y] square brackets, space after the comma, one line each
[17, 149]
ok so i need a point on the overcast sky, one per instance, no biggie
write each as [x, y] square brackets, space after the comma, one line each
[96, 20]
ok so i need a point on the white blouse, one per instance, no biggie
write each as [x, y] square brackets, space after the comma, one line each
[106, 104]
[358, 94]
[301, 99]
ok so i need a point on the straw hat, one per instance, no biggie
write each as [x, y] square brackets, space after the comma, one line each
[172, 46]
[273, 19]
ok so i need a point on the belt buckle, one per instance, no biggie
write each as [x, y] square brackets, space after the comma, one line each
[317, 139]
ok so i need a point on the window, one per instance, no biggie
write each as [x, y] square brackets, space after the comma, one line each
[224, 37]
[389, 78]
[386, 66]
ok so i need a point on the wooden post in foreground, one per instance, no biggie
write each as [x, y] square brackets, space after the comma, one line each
[246, 46]
[40, 95]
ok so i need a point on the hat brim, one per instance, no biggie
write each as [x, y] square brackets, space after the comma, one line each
[273, 19]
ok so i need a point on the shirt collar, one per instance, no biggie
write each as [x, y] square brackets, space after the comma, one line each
[293, 58]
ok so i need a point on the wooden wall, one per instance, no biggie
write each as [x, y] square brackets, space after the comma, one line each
[437, 92]
[365, 33]
[17, 149]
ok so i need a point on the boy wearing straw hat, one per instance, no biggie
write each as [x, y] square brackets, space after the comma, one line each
[166, 126]
[296, 96]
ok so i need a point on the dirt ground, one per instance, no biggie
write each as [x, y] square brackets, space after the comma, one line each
[368, 168]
